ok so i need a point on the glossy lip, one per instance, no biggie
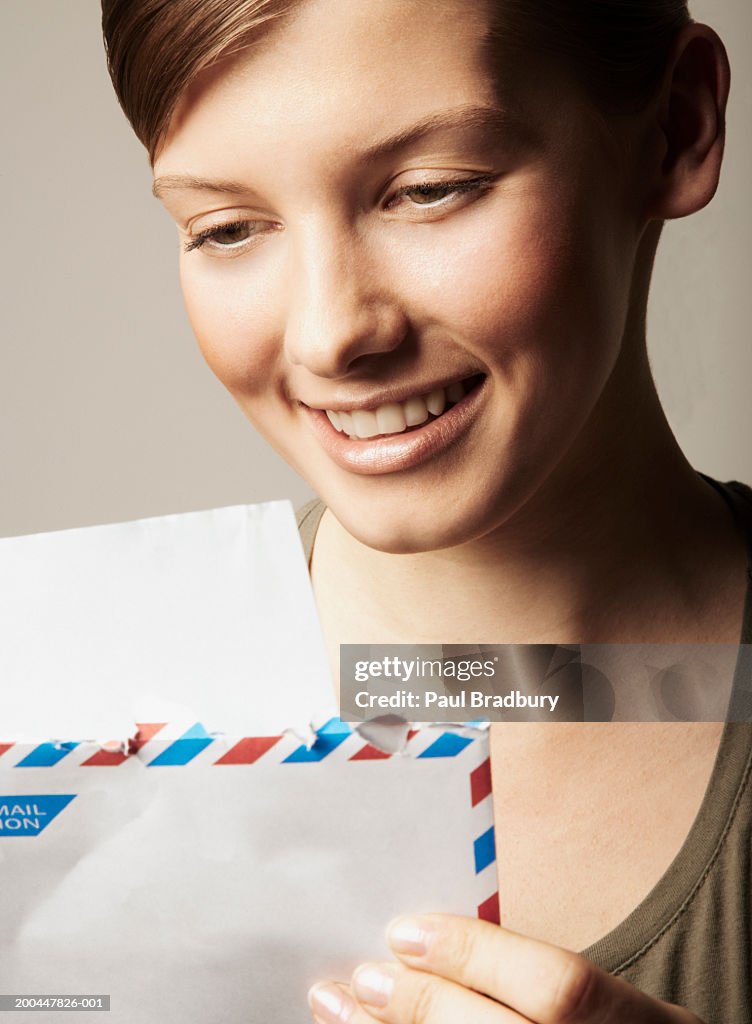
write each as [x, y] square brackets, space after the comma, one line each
[398, 451]
[394, 396]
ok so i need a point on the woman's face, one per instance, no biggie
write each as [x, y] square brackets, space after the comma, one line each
[375, 227]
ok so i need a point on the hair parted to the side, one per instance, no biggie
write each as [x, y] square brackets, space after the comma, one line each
[616, 49]
[156, 48]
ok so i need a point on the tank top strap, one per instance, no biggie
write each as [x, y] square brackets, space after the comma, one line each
[308, 518]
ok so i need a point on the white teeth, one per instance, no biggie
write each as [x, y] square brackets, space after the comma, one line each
[395, 417]
[390, 419]
[455, 392]
[365, 423]
[436, 401]
[416, 411]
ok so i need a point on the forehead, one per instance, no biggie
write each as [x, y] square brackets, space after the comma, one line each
[335, 74]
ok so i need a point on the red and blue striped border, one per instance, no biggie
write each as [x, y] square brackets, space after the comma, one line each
[156, 745]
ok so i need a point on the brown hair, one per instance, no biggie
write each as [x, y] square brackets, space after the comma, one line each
[156, 48]
[617, 49]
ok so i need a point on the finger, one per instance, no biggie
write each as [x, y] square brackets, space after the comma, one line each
[332, 1003]
[546, 984]
[396, 994]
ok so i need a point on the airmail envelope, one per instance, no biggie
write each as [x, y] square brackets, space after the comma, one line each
[210, 876]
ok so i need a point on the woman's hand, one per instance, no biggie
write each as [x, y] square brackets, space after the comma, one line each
[455, 970]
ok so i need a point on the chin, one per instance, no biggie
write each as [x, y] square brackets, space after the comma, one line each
[395, 538]
[403, 529]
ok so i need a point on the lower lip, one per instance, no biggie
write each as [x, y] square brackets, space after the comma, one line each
[398, 451]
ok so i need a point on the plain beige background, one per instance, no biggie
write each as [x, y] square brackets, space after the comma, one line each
[107, 410]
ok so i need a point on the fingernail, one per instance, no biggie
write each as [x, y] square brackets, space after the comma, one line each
[330, 1004]
[410, 935]
[373, 985]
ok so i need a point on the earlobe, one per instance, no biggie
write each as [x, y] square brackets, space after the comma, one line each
[691, 116]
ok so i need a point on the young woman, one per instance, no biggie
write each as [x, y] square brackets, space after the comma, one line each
[416, 246]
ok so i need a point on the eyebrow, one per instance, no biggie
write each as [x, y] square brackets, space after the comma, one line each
[476, 118]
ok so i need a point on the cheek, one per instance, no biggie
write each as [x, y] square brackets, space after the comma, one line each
[233, 319]
[524, 278]
[538, 294]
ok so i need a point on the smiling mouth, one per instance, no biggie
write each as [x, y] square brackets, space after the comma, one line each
[401, 417]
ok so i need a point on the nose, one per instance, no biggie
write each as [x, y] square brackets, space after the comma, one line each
[340, 307]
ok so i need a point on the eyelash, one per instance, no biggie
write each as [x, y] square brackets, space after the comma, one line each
[449, 188]
[210, 234]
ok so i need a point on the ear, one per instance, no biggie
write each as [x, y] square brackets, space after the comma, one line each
[690, 120]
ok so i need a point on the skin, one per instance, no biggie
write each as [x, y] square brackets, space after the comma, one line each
[380, 299]
[539, 282]
[345, 289]
[453, 969]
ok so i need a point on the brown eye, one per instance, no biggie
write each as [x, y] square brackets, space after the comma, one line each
[439, 194]
[424, 195]
[231, 234]
[228, 237]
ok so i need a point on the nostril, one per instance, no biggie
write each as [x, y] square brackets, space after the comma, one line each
[333, 325]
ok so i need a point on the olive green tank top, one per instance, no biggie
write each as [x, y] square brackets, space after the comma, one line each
[690, 940]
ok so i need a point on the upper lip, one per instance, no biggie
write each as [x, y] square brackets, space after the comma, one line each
[386, 396]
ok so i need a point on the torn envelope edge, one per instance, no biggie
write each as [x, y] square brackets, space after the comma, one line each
[335, 742]
[388, 733]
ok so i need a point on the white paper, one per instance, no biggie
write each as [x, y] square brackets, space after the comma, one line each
[201, 616]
